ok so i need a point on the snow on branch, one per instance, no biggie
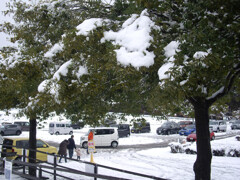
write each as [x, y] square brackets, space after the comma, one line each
[221, 90]
[234, 73]
[134, 40]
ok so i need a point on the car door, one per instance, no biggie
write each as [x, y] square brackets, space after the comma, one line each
[11, 129]
[223, 126]
[41, 146]
[63, 129]
[98, 133]
[107, 137]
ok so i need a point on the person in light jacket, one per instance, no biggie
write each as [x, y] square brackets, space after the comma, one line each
[63, 150]
[78, 151]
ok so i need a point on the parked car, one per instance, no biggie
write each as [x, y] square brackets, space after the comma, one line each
[19, 143]
[123, 129]
[108, 122]
[193, 137]
[77, 125]
[235, 125]
[25, 125]
[60, 128]
[217, 126]
[185, 123]
[187, 130]
[141, 127]
[169, 127]
[10, 129]
[103, 136]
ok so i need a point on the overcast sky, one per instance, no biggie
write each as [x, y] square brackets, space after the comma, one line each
[3, 41]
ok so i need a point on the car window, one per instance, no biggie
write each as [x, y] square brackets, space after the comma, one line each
[68, 125]
[12, 126]
[51, 125]
[165, 125]
[60, 125]
[99, 132]
[22, 144]
[40, 144]
[8, 142]
[104, 131]
[26, 124]
[213, 123]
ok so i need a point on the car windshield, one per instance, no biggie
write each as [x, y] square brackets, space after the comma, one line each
[113, 125]
[213, 123]
[190, 127]
[167, 124]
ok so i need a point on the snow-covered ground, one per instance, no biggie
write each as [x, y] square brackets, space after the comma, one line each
[158, 162]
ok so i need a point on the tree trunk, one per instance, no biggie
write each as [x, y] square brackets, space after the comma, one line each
[32, 145]
[202, 165]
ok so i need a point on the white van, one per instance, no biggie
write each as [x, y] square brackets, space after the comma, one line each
[218, 125]
[60, 128]
[103, 136]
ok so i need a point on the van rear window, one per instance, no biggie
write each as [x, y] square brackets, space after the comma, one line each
[51, 125]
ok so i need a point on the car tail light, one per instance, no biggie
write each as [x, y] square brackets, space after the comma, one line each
[12, 150]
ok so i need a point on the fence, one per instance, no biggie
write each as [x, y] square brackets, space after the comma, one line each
[54, 168]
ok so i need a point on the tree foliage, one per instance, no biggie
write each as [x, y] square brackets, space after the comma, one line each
[202, 66]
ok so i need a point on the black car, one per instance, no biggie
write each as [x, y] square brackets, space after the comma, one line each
[141, 128]
[169, 127]
[123, 130]
[77, 125]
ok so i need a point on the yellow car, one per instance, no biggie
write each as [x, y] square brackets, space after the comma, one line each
[20, 143]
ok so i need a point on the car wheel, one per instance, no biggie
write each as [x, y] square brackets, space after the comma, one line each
[18, 133]
[114, 144]
[57, 133]
[213, 137]
[234, 127]
[71, 133]
[85, 145]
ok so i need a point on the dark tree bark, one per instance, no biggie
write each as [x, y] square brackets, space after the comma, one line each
[202, 165]
[32, 145]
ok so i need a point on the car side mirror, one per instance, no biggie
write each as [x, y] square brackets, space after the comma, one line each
[45, 146]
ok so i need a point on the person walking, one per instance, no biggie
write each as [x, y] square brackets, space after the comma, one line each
[63, 150]
[71, 146]
[78, 151]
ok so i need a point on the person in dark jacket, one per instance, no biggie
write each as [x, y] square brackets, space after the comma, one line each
[63, 150]
[71, 146]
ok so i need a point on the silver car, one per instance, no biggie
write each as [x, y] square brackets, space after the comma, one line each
[10, 129]
[235, 125]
